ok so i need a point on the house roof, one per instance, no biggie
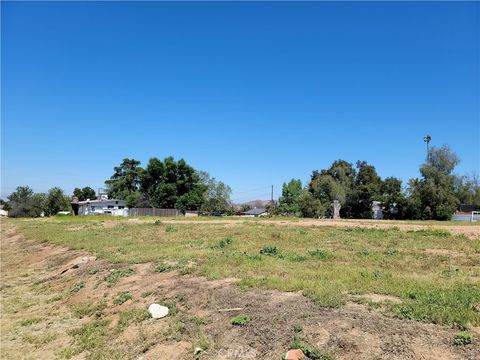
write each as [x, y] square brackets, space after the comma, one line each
[100, 201]
[256, 211]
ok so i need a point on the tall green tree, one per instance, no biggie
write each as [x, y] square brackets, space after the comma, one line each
[367, 188]
[125, 180]
[288, 203]
[394, 201]
[85, 193]
[467, 190]
[170, 183]
[217, 198]
[310, 206]
[436, 190]
[56, 201]
[25, 203]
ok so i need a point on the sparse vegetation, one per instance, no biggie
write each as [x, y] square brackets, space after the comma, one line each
[388, 261]
[240, 320]
[77, 287]
[91, 337]
[133, 316]
[89, 309]
[463, 338]
[309, 350]
[162, 267]
[269, 250]
[30, 321]
[116, 274]
[122, 297]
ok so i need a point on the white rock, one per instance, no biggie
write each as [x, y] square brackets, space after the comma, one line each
[158, 311]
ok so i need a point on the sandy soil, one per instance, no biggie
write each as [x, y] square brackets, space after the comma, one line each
[32, 282]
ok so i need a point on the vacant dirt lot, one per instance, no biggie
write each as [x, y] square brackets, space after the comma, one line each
[77, 314]
[471, 230]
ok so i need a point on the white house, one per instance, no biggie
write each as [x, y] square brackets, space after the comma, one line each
[103, 207]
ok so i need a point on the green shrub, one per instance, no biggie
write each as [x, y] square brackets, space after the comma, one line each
[309, 350]
[223, 243]
[133, 316]
[170, 228]
[321, 254]
[122, 297]
[89, 309]
[240, 320]
[269, 250]
[162, 267]
[76, 288]
[116, 274]
[463, 338]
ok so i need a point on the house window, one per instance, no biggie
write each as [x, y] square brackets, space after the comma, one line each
[110, 206]
[121, 207]
[116, 202]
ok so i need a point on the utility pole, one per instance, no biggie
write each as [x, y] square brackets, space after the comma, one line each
[427, 139]
[272, 195]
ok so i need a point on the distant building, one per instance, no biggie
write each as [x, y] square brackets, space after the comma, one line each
[103, 206]
[255, 212]
[467, 212]
[3, 213]
[377, 210]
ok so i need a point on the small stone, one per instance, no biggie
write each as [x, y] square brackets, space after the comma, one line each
[295, 354]
[158, 311]
[197, 350]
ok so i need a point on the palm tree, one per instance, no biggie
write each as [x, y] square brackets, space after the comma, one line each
[427, 139]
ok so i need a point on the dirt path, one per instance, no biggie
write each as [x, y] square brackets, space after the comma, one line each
[40, 307]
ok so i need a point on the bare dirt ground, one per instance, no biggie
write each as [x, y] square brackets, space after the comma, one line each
[37, 314]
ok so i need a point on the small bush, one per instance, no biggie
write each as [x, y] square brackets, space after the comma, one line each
[240, 320]
[122, 297]
[170, 228]
[162, 267]
[463, 338]
[366, 252]
[77, 287]
[147, 294]
[321, 254]
[269, 250]
[157, 222]
[196, 320]
[223, 243]
[393, 252]
[92, 271]
[309, 350]
[450, 272]
[405, 312]
[116, 274]
[89, 309]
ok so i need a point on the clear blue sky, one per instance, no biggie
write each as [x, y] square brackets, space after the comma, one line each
[253, 93]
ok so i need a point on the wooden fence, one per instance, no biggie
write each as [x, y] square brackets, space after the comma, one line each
[154, 212]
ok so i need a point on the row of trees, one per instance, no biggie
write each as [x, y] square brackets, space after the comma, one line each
[436, 195]
[23, 202]
[168, 184]
[175, 184]
[161, 184]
